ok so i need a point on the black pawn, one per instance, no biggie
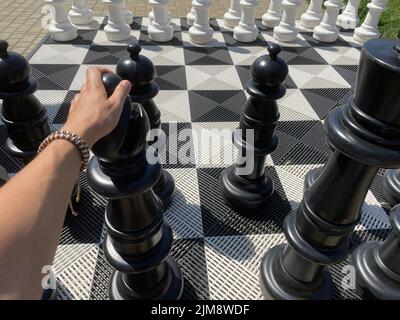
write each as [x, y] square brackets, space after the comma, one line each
[391, 186]
[138, 241]
[365, 135]
[140, 71]
[250, 191]
[377, 264]
[22, 113]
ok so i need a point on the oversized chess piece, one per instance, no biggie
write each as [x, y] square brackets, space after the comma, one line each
[80, 14]
[60, 28]
[232, 16]
[160, 30]
[391, 186]
[126, 13]
[246, 30]
[286, 30]
[151, 16]
[313, 16]
[116, 29]
[201, 32]
[327, 30]
[273, 16]
[138, 241]
[348, 19]
[191, 16]
[377, 265]
[244, 185]
[369, 28]
[365, 135]
[140, 71]
[22, 113]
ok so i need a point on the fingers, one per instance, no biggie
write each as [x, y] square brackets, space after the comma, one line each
[94, 76]
[120, 93]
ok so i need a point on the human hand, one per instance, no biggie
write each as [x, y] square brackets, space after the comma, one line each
[92, 114]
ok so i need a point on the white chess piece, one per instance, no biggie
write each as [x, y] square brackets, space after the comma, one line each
[201, 32]
[327, 30]
[349, 18]
[313, 16]
[160, 30]
[79, 13]
[246, 30]
[273, 16]
[128, 15]
[191, 16]
[60, 29]
[117, 29]
[232, 16]
[286, 31]
[151, 16]
[369, 28]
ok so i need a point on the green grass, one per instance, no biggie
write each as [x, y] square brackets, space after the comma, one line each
[389, 24]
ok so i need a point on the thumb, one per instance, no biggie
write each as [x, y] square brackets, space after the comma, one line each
[121, 92]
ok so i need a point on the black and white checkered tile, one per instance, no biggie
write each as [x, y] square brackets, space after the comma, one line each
[218, 250]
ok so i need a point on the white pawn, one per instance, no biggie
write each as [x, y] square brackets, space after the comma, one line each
[191, 16]
[79, 13]
[313, 16]
[247, 30]
[273, 16]
[327, 31]
[201, 32]
[286, 31]
[151, 16]
[61, 29]
[128, 15]
[160, 30]
[349, 18]
[369, 28]
[117, 29]
[232, 16]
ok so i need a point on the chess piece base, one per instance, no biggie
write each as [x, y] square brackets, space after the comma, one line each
[347, 22]
[271, 21]
[244, 195]
[245, 33]
[63, 32]
[362, 34]
[276, 284]
[121, 33]
[165, 188]
[173, 286]
[81, 17]
[374, 280]
[159, 33]
[200, 34]
[285, 33]
[391, 187]
[326, 33]
[231, 19]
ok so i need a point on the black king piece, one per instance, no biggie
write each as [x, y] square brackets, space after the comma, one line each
[138, 241]
[140, 71]
[250, 191]
[365, 135]
[22, 113]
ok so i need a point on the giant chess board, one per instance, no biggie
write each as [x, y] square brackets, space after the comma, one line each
[202, 88]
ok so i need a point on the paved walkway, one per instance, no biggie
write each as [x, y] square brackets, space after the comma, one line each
[20, 20]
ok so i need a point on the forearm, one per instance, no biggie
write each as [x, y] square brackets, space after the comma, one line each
[32, 210]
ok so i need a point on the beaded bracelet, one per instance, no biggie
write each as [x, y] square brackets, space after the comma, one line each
[78, 142]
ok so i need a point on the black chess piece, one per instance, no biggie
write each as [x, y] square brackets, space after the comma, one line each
[140, 71]
[365, 134]
[391, 186]
[250, 191]
[138, 241]
[22, 113]
[377, 264]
